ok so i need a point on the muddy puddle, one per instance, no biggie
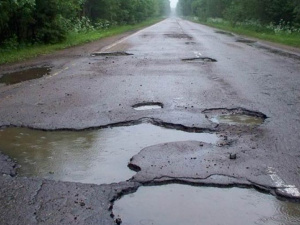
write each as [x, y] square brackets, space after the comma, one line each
[24, 75]
[147, 106]
[91, 156]
[176, 204]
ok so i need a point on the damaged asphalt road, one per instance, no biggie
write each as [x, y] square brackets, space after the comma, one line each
[192, 73]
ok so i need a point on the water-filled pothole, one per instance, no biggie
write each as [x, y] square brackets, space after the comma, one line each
[199, 59]
[148, 106]
[238, 116]
[90, 156]
[111, 54]
[189, 205]
[24, 75]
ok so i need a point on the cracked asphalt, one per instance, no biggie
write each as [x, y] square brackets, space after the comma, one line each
[86, 90]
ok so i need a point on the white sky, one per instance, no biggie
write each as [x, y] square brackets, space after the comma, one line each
[173, 3]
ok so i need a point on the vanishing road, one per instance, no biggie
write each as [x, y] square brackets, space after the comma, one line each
[196, 74]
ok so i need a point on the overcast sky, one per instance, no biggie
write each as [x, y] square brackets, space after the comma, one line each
[173, 3]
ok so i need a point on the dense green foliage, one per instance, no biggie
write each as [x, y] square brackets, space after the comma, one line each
[264, 12]
[49, 21]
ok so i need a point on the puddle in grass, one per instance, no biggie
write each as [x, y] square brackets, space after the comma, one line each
[24, 75]
[238, 119]
[182, 204]
[91, 156]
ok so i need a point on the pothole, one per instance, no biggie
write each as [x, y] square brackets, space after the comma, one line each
[179, 36]
[24, 75]
[148, 106]
[224, 32]
[246, 41]
[190, 43]
[182, 204]
[238, 116]
[89, 156]
[277, 51]
[122, 53]
[199, 59]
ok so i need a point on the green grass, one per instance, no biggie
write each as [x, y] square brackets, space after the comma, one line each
[259, 33]
[73, 39]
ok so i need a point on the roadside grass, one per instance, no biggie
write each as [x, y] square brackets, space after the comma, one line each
[255, 31]
[73, 39]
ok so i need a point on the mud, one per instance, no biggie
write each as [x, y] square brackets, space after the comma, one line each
[199, 59]
[148, 106]
[182, 204]
[24, 75]
[111, 54]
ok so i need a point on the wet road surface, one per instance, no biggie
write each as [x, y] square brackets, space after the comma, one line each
[190, 70]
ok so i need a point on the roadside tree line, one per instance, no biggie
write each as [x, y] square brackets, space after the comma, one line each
[49, 21]
[277, 12]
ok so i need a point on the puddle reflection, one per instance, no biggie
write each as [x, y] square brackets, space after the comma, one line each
[24, 75]
[182, 204]
[94, 156]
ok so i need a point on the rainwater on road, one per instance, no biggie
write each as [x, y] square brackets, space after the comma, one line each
[182, 204]
[91, 156]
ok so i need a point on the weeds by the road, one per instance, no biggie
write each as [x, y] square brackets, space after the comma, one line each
[20, 53]
[282, 33]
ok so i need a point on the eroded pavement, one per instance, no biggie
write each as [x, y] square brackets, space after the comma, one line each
[194, 74]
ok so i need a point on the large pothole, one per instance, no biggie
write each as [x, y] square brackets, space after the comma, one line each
[24, 75]
[90, 156]
[237, 116]
[182, 204]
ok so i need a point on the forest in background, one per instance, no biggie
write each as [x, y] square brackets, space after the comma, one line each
[260, 15]
[29, 22]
